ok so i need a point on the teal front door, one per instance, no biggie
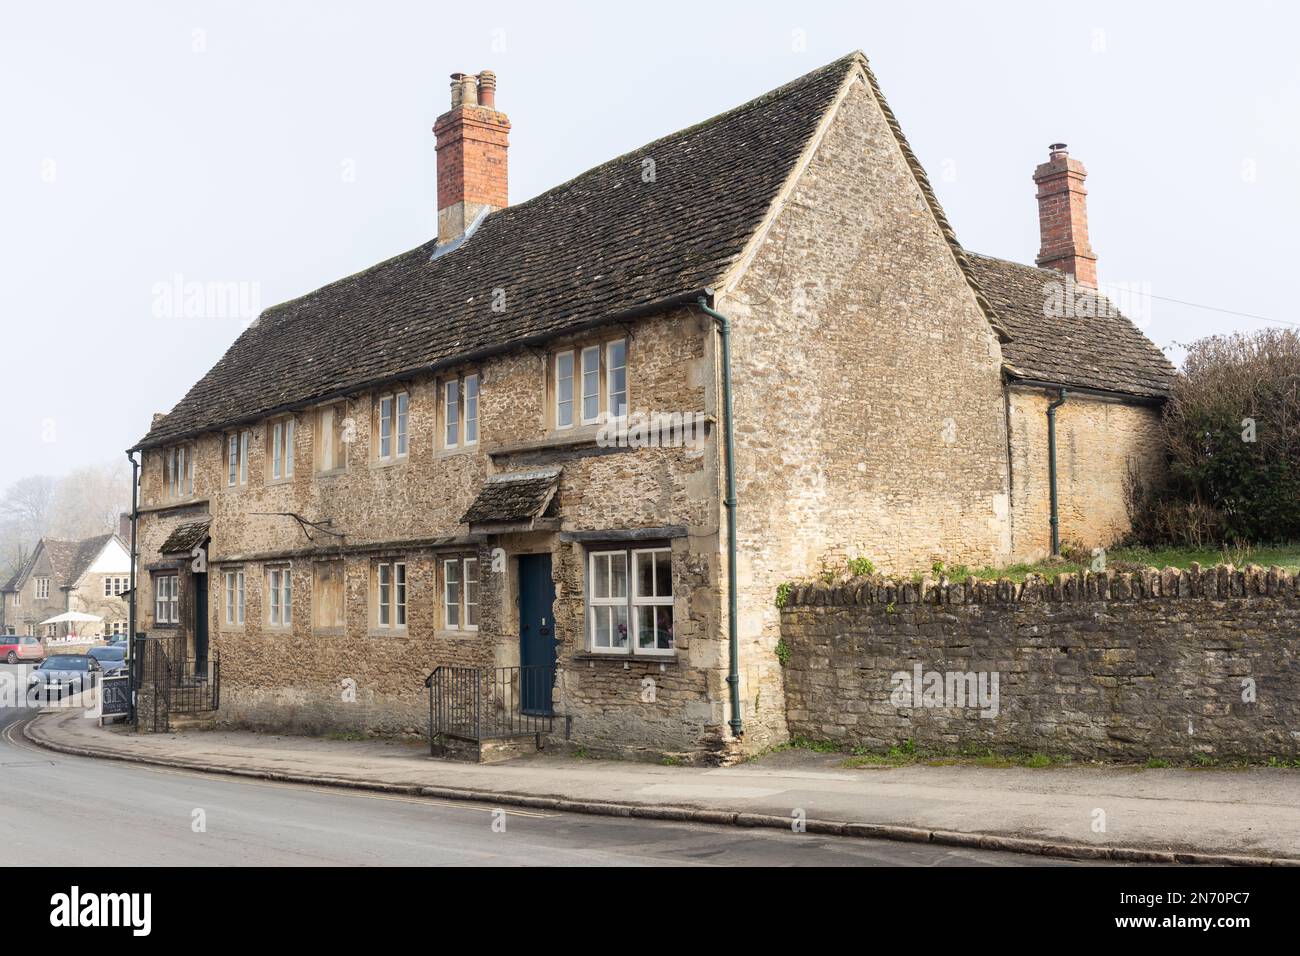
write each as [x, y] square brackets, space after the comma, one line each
[536, 633]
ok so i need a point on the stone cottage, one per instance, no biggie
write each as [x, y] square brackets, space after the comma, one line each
[508, 446]
[91, 576]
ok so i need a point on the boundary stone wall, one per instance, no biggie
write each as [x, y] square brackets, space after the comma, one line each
[1174, 664]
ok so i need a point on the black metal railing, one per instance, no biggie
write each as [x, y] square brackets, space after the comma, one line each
[489, 703]
[165, 682]
[195, 685]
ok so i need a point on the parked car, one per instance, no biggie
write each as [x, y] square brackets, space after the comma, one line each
[60, 672]
[111, 657]
[15, 648]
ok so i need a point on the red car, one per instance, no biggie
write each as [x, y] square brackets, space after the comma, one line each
[15, 648]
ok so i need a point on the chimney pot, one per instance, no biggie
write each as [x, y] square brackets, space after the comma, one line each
[468, 89]
[487, 89]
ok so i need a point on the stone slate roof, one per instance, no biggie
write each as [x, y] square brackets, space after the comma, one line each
[513, 497]
[184, 538]
[601, 245]
[68, 560]
[1105, 352]
[606, 245]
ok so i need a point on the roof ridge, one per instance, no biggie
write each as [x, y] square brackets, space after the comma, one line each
[646, 254]
[773, 94]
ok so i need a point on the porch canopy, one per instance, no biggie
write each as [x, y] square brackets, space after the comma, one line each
[73, 617]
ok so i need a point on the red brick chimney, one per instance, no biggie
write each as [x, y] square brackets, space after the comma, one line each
[471, 154]
[1063, 217]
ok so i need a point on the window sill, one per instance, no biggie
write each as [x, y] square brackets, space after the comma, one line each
[378, 463]
[456, 452]
[625, 658]
[388, 632]
[332, 473]
[451, 633]
[561, 438]
[329, 632]
[271, 482]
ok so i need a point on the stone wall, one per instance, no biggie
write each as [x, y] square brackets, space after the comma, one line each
[353, 679]
[1169, 664]
[869, 406]
[1096, 442]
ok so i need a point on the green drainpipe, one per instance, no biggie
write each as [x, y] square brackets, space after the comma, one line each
[733, 642]
[1051, 471]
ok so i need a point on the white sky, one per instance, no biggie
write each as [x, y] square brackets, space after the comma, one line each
[130, 158]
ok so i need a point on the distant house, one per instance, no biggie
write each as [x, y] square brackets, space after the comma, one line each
[451, 458]
[91, 576]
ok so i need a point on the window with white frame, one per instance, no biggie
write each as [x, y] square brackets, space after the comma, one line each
[234, 604]
[460, 411]
[166, 599]
[390, 595]
[460, 594]
[237, 458]
[392, 417]
[591, 384]
[117, 627]
[115, 586]
[451, 413]
[470, 389]
[630, 601]
[279, 597]
[178, 471]
[331, 438]
[280, 434]
[18, 599]
[616, 378]
[42, 589]
[564, 389]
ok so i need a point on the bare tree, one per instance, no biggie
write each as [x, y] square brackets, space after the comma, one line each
[88, 500]
[28, 502]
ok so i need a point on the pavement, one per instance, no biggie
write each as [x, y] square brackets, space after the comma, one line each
[68, 810]
[1119, 814]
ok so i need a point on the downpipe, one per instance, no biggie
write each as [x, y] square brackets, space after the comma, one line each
[733, 642]
[1051, 472]
[135, 558]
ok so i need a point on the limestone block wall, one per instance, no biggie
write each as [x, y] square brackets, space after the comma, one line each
[869, 408]
[1096, 440]
[301, 678]
[1170, 664]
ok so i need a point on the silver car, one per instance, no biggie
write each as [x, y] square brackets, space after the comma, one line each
[72, 673]
[110, 657]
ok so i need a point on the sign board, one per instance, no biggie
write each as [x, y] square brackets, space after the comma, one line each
[115, 695]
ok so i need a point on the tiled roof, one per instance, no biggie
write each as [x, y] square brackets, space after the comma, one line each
[68, 560]
[84, 556]
[1104, 351]
[12, 583]
[513, 497]
[601, 245]
[184, 538]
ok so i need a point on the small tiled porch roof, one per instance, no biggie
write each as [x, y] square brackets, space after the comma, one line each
[513, 497]
[185, 538]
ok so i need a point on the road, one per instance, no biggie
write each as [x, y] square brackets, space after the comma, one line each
[66, 810]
